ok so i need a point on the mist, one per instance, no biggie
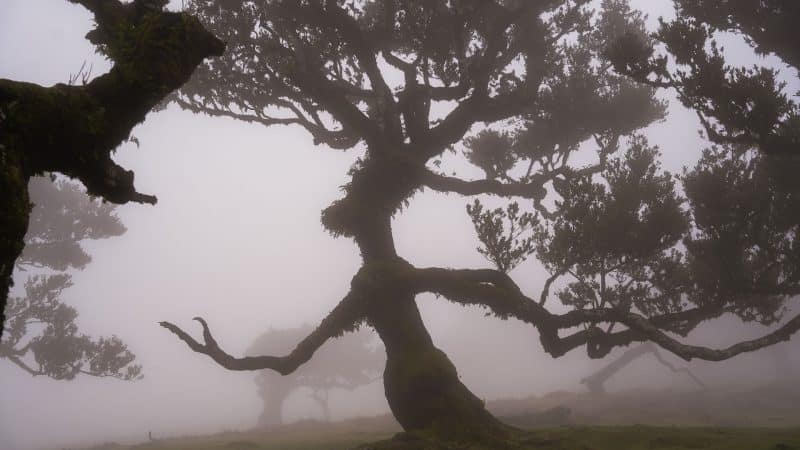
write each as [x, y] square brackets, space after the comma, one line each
[236, 239]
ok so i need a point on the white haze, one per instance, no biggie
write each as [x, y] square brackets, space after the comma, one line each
[236, 238]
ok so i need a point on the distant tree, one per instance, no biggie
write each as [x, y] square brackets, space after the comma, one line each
[72, 130]
[597, 380]
[522, 88]
[787, 370]
[348, 363]
[42, 337]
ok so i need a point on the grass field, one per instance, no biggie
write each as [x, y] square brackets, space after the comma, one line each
[759, 419]
[559, 438]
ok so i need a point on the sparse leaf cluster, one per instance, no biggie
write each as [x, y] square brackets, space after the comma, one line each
[506, 234]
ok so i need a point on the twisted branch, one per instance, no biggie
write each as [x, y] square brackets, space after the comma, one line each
[498, 292]
[346, 316]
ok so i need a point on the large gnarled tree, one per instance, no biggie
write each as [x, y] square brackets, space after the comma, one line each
[525, 86]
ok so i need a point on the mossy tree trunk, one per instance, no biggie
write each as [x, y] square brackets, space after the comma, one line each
[13, 222]
[422, 386]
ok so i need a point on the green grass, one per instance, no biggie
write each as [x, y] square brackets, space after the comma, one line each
[635, 437]
[649, 438]
[760, 419]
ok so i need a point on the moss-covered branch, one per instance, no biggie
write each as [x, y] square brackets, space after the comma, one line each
[74, 129]
[497, 292]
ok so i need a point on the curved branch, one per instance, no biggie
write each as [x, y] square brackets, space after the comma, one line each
[670, 366]
[24, 366]
[496, 291]
[339, 140]
[346, 316]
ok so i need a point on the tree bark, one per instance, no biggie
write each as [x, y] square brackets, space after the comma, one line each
[13, 225]
[422, 386]
[73, 130]
[273, 395]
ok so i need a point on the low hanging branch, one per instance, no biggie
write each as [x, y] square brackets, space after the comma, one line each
[346, 316]
[73, 130]
[498, 292]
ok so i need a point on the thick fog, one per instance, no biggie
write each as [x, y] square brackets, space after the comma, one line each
[236, 238]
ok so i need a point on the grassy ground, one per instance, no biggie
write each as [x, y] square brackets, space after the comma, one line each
[767, 418]
[561, 438]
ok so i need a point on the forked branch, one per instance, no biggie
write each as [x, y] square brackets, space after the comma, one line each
[346, 316]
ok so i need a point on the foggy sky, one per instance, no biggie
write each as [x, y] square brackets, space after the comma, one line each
[236, 238]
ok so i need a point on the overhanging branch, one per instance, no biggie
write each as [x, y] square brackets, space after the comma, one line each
[494, 290]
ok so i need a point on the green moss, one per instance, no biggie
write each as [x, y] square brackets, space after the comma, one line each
[74, 129]
[384, 275]
[16, 207]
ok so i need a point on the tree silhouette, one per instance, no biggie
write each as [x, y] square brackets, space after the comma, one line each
[42, 337]
[72, 130]
[521, 87]
[348, 363]
[596, 381]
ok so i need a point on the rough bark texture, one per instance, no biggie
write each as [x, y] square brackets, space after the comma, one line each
[421, 384]
[74, 129]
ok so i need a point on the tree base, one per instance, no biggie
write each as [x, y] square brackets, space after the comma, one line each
[514, 440]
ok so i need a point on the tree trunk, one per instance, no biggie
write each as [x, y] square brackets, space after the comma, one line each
[421, 384]
[324, 404]
[13, 222]
[273, 390]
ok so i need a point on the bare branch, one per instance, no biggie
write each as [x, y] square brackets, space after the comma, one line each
[345, 317]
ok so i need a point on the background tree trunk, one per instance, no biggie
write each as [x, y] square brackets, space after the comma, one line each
[596, 381]
[273, 394]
